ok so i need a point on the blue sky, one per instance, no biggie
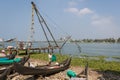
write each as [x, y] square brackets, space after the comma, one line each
[78, 18]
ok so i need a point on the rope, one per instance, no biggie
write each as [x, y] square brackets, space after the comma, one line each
[40, 21]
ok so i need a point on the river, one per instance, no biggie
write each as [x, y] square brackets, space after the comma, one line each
[90, 49]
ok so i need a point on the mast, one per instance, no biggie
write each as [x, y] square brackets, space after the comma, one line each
[32, 25]
[32, 31]
[43, 23]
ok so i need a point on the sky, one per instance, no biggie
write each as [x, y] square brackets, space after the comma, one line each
[80, 19]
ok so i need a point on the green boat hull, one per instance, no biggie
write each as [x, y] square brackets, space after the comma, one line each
[10, 61]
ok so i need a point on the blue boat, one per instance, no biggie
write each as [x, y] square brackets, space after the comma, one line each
[4, 58]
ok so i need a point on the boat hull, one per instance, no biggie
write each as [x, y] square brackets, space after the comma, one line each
[42, 70]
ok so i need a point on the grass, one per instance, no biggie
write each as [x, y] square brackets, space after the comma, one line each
[99, 64]
[116, 57]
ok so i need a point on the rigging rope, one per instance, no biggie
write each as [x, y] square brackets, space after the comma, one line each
[43, 23]
[41, 20]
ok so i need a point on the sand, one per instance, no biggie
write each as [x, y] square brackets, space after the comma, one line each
[92, 75]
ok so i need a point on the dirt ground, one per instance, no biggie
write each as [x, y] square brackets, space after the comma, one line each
[92, 75]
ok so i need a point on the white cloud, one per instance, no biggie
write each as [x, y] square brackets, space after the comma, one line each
[85, 11]
[72, 10]
[80, 12]
[101, 24]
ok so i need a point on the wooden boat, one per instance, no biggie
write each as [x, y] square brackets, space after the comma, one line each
[12, 56]
[3, 75]
[11, 61]
[22, 62]
[4, 58]
[42, 70]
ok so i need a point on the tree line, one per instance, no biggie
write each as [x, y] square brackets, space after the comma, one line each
[107, 40]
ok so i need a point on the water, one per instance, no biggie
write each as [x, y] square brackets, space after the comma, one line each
[90, 49]
[109, 50]
[93, 49]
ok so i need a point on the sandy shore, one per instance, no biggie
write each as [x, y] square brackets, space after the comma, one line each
[92, 75]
